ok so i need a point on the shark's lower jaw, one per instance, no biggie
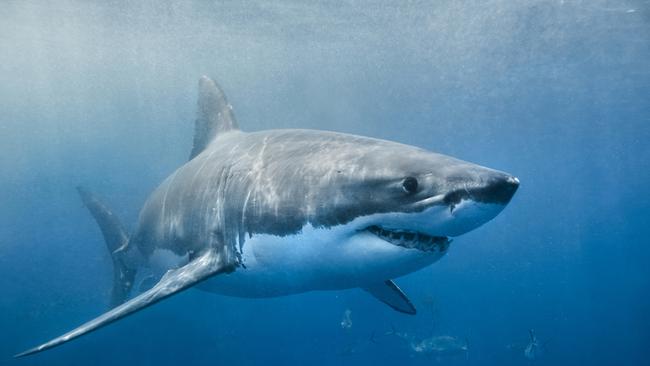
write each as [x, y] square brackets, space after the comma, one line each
[411, 240]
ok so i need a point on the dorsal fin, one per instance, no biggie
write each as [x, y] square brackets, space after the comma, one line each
[214, 115]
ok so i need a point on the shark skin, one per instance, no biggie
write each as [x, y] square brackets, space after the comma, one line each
[280, 212]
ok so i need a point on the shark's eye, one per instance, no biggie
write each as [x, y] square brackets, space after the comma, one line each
[410, 185]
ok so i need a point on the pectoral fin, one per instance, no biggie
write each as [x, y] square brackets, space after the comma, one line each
[206, 265]
[391, 295]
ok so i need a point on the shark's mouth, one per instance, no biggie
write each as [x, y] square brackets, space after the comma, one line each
[411, 240]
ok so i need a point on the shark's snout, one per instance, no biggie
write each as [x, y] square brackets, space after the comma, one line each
[496, 188]
[506, 188]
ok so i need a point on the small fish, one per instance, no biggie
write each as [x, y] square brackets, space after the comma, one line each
[438, 346]
[534, 349]
[346, 322]
[441, 346]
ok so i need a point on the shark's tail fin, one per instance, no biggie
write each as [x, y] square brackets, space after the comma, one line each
[116, 239]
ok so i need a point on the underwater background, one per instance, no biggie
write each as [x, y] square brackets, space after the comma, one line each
[103, 94]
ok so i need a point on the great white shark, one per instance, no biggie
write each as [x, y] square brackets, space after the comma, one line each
[281, 212]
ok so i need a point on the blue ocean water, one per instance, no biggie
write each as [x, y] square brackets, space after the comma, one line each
[103, 94]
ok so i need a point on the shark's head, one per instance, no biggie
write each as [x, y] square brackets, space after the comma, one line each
[407, 196]
[421, 199]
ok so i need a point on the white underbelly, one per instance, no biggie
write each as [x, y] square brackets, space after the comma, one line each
[316, 259]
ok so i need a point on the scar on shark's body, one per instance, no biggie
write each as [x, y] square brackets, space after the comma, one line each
[281, 212]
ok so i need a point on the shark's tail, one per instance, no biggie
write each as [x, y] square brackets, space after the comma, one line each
[116, 239]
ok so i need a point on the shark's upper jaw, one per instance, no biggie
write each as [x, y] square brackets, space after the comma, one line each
[411, 240]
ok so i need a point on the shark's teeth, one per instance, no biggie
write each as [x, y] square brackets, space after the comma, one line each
[412, 240]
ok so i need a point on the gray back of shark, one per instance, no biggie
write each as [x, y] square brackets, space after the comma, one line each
[287, 211]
